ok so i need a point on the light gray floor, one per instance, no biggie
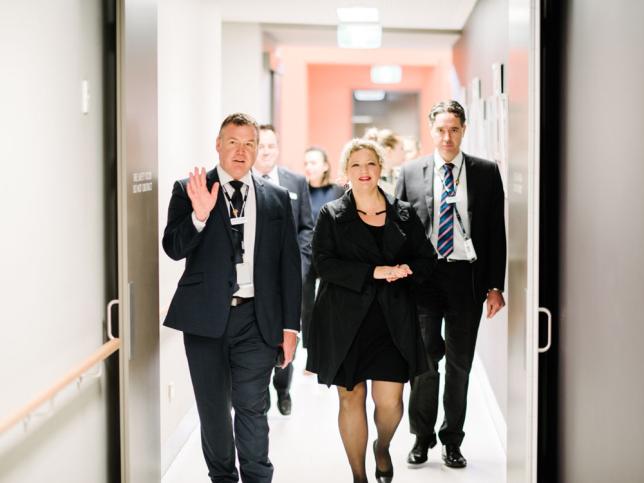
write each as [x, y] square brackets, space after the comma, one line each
[306, 446]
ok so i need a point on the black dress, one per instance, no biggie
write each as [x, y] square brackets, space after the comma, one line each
[372, 354]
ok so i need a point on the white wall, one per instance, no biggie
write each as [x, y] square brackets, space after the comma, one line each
[241, 69]
[485, 41]
[52, 267]
[189, 47]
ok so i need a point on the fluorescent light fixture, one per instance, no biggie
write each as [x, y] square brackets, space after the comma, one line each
[359, 35]
[369, 95]
[357, 14]
[386, 74]
[362, 119]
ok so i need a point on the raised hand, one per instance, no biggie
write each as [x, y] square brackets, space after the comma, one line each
[203, 201]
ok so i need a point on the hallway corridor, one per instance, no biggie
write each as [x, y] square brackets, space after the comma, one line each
[306, 446]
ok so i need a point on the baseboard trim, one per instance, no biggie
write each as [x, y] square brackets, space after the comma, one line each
[480, 376]
[178, 439]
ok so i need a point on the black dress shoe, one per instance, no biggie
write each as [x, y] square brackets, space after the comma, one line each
[383, 476]
[452, 456]
[418, 454]
[284, 404]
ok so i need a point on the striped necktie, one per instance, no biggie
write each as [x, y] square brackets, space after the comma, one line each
[446, 223]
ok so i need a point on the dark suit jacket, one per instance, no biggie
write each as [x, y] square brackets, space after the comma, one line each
[345, 254]
[201, 303]
[298, 190]
[485, 200]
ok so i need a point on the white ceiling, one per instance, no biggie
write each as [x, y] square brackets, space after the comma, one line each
[406, 23]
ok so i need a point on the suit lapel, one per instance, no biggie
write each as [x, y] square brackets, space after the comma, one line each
[428, 183]
[355, 230]
[260, 212]
[471, 185]
[393, 237]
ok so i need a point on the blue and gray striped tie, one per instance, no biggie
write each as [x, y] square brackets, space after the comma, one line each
[446, 223]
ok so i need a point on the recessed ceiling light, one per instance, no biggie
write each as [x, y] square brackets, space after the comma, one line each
[386, 74]
[369, 95]
[362, 119]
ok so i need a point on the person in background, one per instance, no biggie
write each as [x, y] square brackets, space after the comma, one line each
[411, 146]
[392, 145]
[369, 250]
[460, 200]
[237, 300]
[318, 175]
[266, 167]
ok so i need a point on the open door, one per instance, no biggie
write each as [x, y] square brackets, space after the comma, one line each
[523, 231]
[138, 245]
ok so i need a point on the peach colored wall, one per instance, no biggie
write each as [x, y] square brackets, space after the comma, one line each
[330, 100]
[316, 109]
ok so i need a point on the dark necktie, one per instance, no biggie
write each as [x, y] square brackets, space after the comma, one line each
[237, 200]
[236, 205]
[446, 218]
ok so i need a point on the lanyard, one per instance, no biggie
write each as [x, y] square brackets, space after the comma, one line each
[456, 182]
[460, 222]
[458, 178]
[230, 202]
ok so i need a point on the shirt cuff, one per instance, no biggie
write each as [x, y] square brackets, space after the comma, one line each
[199, 225]
[292, 330]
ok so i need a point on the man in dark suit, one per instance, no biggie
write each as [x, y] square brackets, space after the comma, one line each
[460, 200]
[238, 299]
[298, 190]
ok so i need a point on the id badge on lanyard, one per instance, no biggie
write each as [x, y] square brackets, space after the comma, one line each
[469, 249]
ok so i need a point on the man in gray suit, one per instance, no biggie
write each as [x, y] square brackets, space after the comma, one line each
[460, 200]
[298, 190]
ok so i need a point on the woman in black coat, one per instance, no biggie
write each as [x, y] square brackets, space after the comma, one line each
[369, 250]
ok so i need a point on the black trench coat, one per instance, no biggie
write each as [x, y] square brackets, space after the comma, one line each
[345, 255]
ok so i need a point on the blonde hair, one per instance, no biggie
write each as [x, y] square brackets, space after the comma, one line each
[385, 137]
[357, 144]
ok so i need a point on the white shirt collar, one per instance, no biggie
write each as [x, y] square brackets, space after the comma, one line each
[272, 174]
[439, 162]
[225, 178]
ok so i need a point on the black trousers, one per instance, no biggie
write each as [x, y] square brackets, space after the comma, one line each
[233, 372]
[448, 297]
[308, 300]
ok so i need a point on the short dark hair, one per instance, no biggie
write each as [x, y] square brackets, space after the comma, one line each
[240, 119]
[450, 106]
[267, 127]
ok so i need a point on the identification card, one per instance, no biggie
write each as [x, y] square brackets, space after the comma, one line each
[469, 250]
[240, 220]
[292, 195]
[243, 273]
[453, 199]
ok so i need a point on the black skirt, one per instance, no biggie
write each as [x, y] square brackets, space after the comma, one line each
[372, 354]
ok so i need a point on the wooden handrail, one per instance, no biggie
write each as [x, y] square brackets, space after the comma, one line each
[100, 355]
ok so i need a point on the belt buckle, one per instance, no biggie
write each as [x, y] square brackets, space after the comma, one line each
[236, 301]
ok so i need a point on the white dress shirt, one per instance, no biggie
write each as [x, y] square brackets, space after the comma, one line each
[244, 270]
[460, 175]
[273, 177]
